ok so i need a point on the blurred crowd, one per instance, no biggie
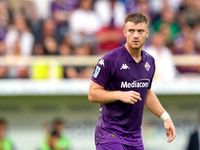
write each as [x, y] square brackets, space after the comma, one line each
[91, 27]
[55, 136]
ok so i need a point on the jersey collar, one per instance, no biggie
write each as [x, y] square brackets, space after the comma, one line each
[128, 55]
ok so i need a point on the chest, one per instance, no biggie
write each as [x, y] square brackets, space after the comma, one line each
[129, 70]
[131, 75]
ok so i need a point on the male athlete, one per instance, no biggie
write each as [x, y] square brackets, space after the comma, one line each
[121, 83]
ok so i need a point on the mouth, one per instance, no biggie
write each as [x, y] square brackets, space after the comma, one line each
[136, 42]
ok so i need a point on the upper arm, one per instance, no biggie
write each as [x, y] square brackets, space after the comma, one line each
[92, 90]
[94, 85]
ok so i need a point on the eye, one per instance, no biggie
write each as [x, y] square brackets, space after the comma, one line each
[141, 31]
[131, 31]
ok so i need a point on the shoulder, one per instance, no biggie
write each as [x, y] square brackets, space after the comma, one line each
[113, 55]
[109, 60]
[149, 59]
[148, 56]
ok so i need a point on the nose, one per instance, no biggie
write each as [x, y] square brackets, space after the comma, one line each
[135, 35]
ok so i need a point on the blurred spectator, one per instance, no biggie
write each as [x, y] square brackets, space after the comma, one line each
[47, 44]
[19, 42]
[50, 46]
[52, 142]
[83, 23]
[130, 5]
[3, 72]
[64, 50]
[187, 44]
[4, 19]
[110, 11]
[67, 41]
[196, 31]
[194, 139]
[2, 48]
[189, 12]
[61, 26]
[59, 126]
[111, 34]
[3, 69]
[32, 16]
[109, 38]
[5, 142]
[166, 70]
[19, 35]
[42, 8]
[166, 24]
[157, 5]
[56, 139]
[48, 30]
[60, 11]
[188, 48]
[15, 6]
[143, 6]
[80, 71]
[185, 33]
[83, 49]
[174, 5]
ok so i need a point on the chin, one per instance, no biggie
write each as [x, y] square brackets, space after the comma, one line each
[134, 47]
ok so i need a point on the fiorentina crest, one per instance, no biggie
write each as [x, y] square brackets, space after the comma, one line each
[147, 66]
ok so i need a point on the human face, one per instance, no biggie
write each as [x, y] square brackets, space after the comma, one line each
[136, 34]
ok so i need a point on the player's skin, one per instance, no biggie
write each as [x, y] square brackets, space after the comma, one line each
[135, 37]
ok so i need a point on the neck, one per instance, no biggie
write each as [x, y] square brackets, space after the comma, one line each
[136, 53]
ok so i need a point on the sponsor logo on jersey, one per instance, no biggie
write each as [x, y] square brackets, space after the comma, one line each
[147, 66]
[96, 72]
[101, 62]
[142, 83]
[124, 66]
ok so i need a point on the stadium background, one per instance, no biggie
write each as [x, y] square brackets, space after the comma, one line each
[27, 116]
[28, 104]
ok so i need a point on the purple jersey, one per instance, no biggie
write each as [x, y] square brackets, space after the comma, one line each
[117, 71]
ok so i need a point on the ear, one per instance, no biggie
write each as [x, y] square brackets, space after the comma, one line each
[147, 33]
[124, 32]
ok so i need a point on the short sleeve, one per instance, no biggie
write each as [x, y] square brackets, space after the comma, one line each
[103, 71]
[154, 67]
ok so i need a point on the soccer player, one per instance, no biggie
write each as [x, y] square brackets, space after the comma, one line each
[121, 83]
[5, 142]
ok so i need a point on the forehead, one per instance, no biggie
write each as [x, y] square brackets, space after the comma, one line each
[132, 25]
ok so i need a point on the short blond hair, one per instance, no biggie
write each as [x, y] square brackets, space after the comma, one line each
[136, 18]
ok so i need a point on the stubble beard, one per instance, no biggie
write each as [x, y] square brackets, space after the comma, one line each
[135, 45]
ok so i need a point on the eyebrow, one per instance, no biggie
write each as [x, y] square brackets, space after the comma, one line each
[136, 29]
